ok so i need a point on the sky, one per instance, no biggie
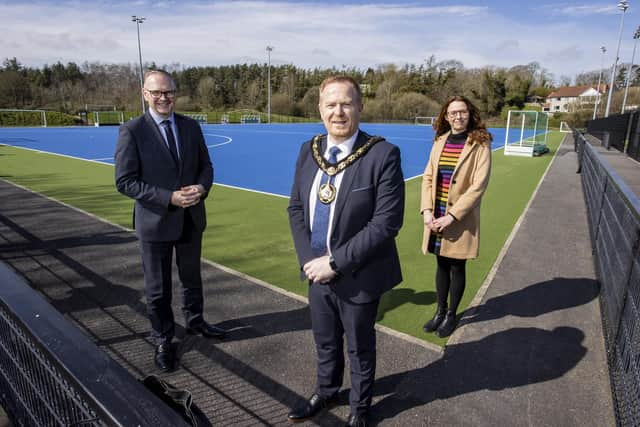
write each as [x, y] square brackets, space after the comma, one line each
[564, 37]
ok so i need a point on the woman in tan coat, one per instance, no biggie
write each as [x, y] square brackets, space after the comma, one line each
[453, 183]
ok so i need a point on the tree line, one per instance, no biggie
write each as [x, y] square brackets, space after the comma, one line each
[391, 92]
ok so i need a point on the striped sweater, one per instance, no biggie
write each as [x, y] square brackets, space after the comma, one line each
[446, 165]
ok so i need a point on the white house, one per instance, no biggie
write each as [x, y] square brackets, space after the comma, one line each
[562, 98]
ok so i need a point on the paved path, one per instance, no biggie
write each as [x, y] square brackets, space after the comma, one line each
[531, 353]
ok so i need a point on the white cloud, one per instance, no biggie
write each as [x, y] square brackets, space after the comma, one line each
[307, 34]
[585, 10]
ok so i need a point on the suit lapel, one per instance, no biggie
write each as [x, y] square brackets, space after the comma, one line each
[182, 139]
[157, 134]
[349, 175]
[309, 171]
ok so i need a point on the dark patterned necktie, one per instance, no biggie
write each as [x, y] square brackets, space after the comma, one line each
[171, 140]
[321, 213]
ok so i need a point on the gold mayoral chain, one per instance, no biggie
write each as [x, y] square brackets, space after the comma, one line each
[327, 191]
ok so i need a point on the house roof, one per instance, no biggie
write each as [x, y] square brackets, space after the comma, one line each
[573, 91]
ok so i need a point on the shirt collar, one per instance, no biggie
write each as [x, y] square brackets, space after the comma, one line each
[345, 147]
[156, 117]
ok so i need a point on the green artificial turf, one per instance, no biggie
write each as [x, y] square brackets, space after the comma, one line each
[249, 232]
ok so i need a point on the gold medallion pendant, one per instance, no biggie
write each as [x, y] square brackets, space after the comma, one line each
[327, 193]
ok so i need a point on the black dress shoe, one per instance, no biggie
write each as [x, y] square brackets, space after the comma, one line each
[309, 408]
[207, 330]
[357, 421]
[164, 358]
[449, 325]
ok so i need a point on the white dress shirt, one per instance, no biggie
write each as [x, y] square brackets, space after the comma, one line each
[346, 148]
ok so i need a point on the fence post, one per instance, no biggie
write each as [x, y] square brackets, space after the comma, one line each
[606, 140]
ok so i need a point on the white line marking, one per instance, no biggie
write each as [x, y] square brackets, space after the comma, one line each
[249, 189]
[58, 154]
[100, 160]
[228, 141]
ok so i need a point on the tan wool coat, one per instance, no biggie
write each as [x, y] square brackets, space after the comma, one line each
[461, 239]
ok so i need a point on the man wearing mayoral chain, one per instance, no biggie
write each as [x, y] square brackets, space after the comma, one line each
[346, 207]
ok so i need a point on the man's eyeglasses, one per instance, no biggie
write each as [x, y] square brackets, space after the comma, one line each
[462, 113]
[158, 93]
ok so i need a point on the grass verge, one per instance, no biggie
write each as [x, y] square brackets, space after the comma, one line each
[249, 232]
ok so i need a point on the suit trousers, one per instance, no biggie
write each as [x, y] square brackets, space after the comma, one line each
[157, 258]
[331, 319]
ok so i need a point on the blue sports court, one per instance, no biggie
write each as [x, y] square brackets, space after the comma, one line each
[257, 157]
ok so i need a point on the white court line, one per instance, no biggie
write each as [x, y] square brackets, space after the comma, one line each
[251, 190]
[100, 160]
[58, 154]
[229, 140]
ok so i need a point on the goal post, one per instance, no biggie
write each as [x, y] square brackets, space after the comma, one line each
[526, 133]
[250, 119]
[17, 117]
[108, 118]
[564, 127]
[424, 120]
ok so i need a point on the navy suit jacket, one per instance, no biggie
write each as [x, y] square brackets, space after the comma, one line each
[368, 215]
[146, 172]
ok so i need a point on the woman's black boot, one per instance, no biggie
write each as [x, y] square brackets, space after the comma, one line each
[437, 319]
[449, 325]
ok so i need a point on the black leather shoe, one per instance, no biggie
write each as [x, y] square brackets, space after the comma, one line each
[207, 330]
[357, 421]
[309, 408]
[449, 325]
[437, 319]
[164, 358]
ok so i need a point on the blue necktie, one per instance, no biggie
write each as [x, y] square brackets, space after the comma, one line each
[321, 213]
[171, 140]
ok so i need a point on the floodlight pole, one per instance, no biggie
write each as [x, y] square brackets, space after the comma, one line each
[269, 49]
[598, 95]
[623, 5]
[636, 36]
[139, 20]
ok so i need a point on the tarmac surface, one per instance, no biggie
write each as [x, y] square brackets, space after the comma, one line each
[529, 352]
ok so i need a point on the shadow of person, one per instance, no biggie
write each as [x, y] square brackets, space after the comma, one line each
[262, 325]
[397, 297]
[540, 298]
[507, 359]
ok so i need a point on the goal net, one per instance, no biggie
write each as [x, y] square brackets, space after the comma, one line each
[424, 120]
[14, 117]
[108, 118]
[526, 133]
[250, 119]
[564, 127]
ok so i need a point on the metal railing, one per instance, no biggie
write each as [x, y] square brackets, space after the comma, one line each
[620, 131]
[614, 225]
[53, 375]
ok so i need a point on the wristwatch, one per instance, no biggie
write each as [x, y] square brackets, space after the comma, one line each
[332, 264]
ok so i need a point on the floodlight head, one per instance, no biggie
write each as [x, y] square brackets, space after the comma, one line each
[623, 5]
[269, 48]
[603, 49]
[636, 35]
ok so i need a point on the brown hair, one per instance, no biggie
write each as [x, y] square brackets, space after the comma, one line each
[342, 79]
[477, 130]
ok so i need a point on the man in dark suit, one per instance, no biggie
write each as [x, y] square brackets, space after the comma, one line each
[346, 207]
[163, 163]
